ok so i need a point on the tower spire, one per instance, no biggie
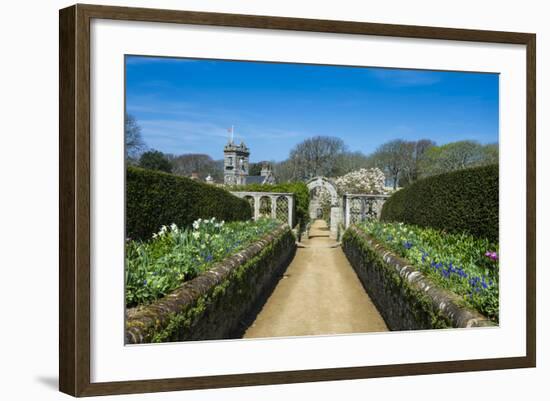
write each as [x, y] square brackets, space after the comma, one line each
[231, 130]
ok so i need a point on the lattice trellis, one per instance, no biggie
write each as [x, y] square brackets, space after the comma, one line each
[265, 206]
[362, 208]
[281, 211]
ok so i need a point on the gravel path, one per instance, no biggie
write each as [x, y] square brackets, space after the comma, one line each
[318, 294]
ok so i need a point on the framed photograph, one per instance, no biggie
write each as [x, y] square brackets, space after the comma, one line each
[250, 200]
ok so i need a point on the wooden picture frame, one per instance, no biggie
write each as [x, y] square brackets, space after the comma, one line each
[74, 199]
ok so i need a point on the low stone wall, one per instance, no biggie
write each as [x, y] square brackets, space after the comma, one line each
[219, 303]
[406, 298]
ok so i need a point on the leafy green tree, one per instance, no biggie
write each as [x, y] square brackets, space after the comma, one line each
[490, 153]
[254, 168]
[155, 160]
[456, 156]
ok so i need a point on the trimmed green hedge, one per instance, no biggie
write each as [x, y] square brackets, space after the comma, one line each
[460, 201]
[299, 189]
[154, 199]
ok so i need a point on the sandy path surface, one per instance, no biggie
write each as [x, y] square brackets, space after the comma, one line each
[319, 294]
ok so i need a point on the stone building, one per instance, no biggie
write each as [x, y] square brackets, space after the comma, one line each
[236, 166]
[235, 163]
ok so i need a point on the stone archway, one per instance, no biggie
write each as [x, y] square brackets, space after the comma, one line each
[335, 206]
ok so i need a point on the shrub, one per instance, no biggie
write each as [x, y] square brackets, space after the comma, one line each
[154, 199]
[155, 160]
[460, 201]
[299, 189]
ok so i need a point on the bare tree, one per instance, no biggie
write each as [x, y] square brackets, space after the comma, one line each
[316, 156]
[394, 158]
[135, 145]
[413, 154]
[352, 161]
[284, 171]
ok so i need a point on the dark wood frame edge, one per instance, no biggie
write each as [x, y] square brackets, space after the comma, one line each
[74, 199]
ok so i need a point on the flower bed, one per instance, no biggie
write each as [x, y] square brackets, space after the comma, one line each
[174, 255]
[460, 263]
[219, 303]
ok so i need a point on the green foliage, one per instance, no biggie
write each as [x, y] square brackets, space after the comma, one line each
[158, 266]
[466, 265]
[155, 160]
[457, 156]
[255, 168]
[154, 199]
[460, 201]
[299, 189]
[232, 299]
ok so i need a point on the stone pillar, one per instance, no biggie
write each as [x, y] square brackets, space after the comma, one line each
[347, 202]
[290, 200]
[334, 220]
[256, 207]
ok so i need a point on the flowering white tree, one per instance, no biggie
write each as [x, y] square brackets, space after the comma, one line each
[362, 181]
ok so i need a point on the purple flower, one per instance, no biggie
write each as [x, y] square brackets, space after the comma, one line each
[424, 254]
[492, 255]
[407, 245]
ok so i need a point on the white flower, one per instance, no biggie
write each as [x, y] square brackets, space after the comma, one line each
[196, 234]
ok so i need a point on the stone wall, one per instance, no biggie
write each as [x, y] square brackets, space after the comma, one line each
[221, 302]
[406, 298]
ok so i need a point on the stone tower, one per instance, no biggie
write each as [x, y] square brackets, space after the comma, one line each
[235, 163]
[266, 170]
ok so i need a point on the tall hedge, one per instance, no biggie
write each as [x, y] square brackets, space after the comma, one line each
[299, 189]
[460, 201]
[154, 199]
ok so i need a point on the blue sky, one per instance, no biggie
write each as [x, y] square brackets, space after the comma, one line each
[187, 105]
